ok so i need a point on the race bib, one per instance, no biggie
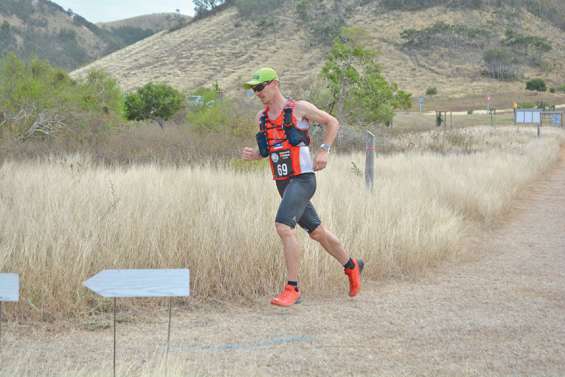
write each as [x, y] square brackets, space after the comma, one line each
[282, 164]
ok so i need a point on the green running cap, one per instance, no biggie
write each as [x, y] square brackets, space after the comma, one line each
[261, 76]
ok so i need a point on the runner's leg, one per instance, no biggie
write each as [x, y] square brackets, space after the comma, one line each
[330, 243]
[296, 194]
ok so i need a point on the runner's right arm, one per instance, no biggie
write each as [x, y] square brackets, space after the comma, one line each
[251, 154]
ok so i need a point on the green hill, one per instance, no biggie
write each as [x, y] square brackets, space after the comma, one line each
[44, 29]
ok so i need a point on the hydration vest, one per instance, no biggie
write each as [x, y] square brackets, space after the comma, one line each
[284, 144]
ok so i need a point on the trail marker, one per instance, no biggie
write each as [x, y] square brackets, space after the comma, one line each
[140, 283]
[9, 292]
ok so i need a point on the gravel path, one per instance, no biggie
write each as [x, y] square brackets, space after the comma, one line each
[501, 314]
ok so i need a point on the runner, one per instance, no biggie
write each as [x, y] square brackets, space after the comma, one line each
[284, 137]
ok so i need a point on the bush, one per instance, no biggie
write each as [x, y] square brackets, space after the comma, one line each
[158, 102]
[552, 90]
[37, 98]
[526, 105]
[536, 85]
[545, 106]
[431, 91]
[441, 33]
[561, 88]
[210, 118]
[223, 115]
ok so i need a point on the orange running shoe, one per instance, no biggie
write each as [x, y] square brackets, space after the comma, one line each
[289, 296]
[354, 275]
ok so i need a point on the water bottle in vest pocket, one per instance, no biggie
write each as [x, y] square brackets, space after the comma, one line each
[262, 144]
[296, 136]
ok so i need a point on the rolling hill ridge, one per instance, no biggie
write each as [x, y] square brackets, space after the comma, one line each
[226, 47]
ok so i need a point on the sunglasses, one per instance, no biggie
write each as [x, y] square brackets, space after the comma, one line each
[259, 87]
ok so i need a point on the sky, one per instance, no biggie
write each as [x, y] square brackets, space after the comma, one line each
[112, 10]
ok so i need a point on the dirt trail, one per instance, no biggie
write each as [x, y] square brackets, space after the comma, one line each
[500, 315]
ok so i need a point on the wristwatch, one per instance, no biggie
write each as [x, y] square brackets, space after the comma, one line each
[326, 147]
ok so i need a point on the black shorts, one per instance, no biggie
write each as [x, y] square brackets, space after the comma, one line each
[295, 206]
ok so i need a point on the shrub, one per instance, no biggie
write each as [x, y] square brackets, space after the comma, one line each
[37, 98]
[552, 90]
[223, 115]
[545, 106]
[431, 91]
[441, 33]
[101, 94]
[561, 88]
[536, 85]
[210, 118]
[527, 42]
[158, 102]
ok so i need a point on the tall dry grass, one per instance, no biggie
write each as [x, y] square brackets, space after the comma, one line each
[67, 218]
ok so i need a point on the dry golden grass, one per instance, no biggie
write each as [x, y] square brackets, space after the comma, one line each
[69, 218]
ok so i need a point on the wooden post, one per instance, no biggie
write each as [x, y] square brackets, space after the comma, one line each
[370, 161]
[540, 123]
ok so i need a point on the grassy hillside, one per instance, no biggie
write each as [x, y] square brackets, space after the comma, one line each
[134, 29]
[44, 29]
[154, 22]
[227, 46]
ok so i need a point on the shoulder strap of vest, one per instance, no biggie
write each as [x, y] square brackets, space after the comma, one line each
[288, 111]
[263, 121]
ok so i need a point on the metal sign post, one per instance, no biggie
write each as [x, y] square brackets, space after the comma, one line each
[9, 292]
[140, 283]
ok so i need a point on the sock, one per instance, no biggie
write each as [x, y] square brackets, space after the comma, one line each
[294, 284]
[349, 265]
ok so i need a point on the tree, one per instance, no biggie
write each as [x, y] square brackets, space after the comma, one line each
[158, 102]
[201, 7]
[500, 63]
[355, 81]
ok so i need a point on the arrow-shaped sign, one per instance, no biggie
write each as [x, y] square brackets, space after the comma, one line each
[9, 287]
[140, 283]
